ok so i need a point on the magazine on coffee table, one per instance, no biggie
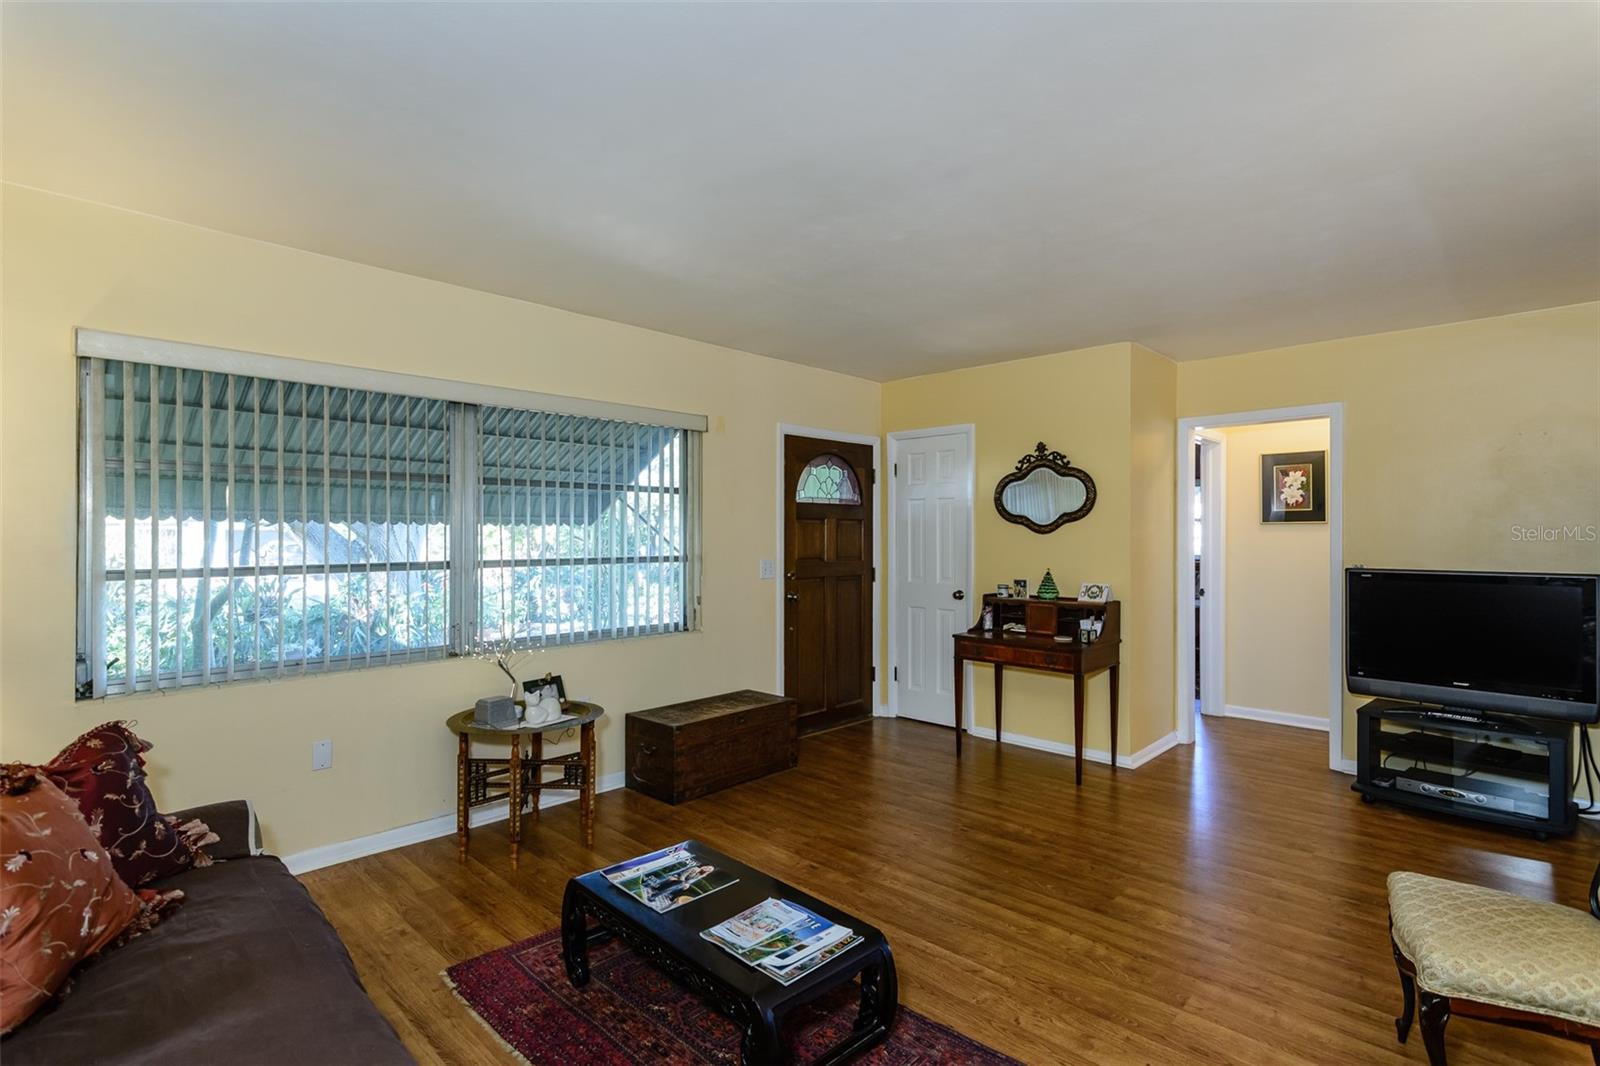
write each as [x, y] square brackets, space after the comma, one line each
[667, 878]
[781, 939]
[811, 962]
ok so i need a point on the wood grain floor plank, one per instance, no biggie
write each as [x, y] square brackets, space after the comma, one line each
[1223, 904]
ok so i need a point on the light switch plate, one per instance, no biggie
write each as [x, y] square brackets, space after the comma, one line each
[769, 570]
[321, 754]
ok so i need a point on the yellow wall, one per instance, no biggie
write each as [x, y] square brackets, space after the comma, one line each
[1149, 616]
[1083, 403]
[68, 264]
[1454, 436]
[1277, 582]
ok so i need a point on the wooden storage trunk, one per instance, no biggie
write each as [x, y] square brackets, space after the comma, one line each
[686, 750]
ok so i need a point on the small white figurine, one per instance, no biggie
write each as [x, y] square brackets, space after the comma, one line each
[543, 711]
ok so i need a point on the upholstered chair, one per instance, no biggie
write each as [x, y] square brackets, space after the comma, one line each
[1482, 953]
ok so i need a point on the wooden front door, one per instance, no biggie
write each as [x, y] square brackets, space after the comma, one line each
[827, 571]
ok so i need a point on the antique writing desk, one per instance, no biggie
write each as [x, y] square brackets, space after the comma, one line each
[1039, 649]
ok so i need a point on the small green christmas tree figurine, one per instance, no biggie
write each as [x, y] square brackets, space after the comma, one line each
[1047, 587]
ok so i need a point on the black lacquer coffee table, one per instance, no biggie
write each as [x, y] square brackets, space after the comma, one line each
[755, 1002]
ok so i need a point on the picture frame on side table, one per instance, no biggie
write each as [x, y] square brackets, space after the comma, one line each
[536, 689]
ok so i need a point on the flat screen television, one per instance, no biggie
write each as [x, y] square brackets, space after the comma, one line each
[1512, 643]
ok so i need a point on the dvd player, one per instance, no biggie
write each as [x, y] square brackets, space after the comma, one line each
[1484, 795]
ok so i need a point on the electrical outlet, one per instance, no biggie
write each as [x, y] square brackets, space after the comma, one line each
[321, 754]
[769, 570]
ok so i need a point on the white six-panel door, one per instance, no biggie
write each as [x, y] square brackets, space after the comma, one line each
[930, 567]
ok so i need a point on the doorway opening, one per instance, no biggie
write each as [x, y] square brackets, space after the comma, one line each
[1259, 596]
[1210, 571]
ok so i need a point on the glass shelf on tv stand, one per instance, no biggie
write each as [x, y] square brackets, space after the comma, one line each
[1526, 758]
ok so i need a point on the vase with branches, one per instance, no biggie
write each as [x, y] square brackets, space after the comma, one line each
[504, 654]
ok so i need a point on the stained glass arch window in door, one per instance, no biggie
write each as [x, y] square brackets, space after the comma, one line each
[828, 479]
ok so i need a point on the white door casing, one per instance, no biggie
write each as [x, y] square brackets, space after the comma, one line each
[1213, 569]
[930, 564]
[1184, 694]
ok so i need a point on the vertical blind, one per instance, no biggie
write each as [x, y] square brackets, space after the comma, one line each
[582, 524]
[238, 526]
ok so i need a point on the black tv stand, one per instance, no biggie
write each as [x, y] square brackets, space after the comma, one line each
[1507, 770]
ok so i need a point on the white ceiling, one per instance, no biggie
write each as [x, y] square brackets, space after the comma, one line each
[880, 189]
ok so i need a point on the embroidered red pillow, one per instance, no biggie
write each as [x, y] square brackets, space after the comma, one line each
[103, 772]
[60, 899]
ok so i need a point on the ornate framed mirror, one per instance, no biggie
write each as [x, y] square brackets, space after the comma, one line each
[1044, 492]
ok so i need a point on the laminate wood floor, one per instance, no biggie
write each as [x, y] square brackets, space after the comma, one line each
[1222, 904]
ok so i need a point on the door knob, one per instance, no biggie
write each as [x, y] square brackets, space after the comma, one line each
[793, 597]
[959, 594]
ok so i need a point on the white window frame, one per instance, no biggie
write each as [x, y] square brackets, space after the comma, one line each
[464, 566]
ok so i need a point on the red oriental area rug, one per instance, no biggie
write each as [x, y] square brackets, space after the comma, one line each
[630, 1013]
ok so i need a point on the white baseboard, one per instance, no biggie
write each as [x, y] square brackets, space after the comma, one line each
[1258, 714]
[1150, 751]
[1055, 747]
[1347, 766]
[444, 825]
[883, 710]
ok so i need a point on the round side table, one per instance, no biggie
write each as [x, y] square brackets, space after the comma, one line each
[480, 780]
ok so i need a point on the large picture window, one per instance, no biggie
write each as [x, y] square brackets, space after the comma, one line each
[239, 526]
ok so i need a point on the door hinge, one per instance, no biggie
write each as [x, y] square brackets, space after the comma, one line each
[896, 470]
[874, 673]
[897, 673]
[874, 574]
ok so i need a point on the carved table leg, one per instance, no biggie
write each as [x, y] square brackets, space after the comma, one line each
[1408, 996]
[586, 800]
[536, 756]
[880, 996]
[761, 1045]
[463, 772]
[1435, 1015]
[574, 938]
[515, 798]
[880, 1002]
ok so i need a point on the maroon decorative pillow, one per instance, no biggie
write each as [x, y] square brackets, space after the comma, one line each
[103, 772]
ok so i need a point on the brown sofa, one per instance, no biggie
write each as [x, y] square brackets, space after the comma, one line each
[246, 971]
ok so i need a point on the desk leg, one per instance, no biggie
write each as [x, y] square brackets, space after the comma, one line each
[515, 798]
[463, 772]
[1114, 719]
[1077, 723]
[960, 692]
[999, 673]
[586, 802]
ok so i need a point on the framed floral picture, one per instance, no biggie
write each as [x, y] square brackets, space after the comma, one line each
[1294, 487]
